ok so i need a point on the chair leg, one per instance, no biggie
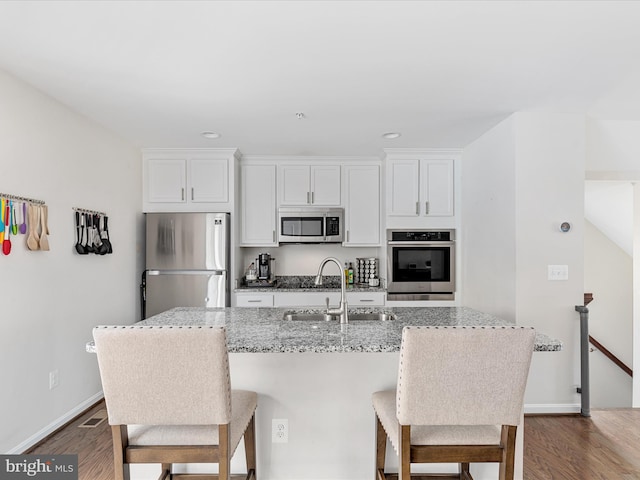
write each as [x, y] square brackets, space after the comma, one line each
[465, 474]
[381, 449]
[224, 461]
[404, 456]
[508, 441]
[120, 442]
[250, 448]
[166, 471]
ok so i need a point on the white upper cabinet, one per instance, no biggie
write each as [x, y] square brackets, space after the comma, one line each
[362, 205]
[436, 192]
[208, 180]
[420, 187]
[403, 192]
[188, 179]
[309, 185]
[258, 222]
[166, 180]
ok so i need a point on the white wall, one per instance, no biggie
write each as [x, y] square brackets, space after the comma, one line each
[51, 300]
[609, 276]
[488, 218]
[530, 166]
[613, 155]
[550, 162]
[636, 294]
[613, 146]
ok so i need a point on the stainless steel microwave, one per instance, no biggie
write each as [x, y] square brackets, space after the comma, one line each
[310, 225]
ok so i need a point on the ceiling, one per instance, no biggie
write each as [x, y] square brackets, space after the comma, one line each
[158, 73]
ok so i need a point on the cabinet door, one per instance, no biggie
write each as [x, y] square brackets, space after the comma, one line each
[166, 180]
[293, 185]
[258, 205]
[362, 205]
[325, 185]
[437, 188]
[403, 192]
[209, 180]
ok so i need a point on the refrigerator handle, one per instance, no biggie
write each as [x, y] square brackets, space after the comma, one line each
[143, 295]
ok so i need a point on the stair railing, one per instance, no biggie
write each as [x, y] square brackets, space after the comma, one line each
[584, 390]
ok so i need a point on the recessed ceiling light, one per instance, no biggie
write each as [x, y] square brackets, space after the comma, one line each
[210, 135]
[390, 135]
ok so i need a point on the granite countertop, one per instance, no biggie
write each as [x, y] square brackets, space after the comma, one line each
[263, 330]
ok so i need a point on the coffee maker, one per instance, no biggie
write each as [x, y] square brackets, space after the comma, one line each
[265, 271]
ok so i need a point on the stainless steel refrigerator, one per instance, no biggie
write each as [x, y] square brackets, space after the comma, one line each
[187, 261]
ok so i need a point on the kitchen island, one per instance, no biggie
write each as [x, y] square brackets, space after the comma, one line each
[264, 330]
[319, 376]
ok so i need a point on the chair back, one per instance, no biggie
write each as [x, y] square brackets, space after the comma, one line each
[164, 375]
[463, 375]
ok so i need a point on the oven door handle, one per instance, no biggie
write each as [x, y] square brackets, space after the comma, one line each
[419, 244]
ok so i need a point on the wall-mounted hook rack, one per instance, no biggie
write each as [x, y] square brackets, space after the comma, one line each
[22, 199]
[91, 212]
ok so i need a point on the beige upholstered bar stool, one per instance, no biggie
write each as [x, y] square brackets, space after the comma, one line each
[169, 399]
[459, 398]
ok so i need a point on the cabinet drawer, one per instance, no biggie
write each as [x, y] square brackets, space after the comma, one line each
[254, 300]
[364, 299]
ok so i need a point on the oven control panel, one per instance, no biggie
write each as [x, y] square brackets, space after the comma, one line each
[420, 235]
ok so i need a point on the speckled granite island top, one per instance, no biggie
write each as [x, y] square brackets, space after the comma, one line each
[263, 330]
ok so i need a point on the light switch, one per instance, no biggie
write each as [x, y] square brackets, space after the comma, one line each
[558, 272]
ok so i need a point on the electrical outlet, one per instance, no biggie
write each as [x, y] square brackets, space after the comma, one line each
[279, 430]
[558, 272]
[54, 379]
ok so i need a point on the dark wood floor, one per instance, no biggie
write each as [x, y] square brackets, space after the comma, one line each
[605, 446]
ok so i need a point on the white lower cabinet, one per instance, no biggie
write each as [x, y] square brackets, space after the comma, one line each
[309, 299]
[254, 300]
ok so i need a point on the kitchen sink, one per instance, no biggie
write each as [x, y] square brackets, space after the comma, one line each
[380, 317]
[321, 317]
[311, 317]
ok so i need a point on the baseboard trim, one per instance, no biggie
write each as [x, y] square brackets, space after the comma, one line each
[55, 425]
[551, 408]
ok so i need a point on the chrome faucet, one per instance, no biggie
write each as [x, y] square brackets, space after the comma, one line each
[342, 310]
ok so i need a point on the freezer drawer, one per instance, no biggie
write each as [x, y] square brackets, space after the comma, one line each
[193, 289]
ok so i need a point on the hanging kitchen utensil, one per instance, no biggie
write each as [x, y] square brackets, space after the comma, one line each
[2, 220]
[6, 243]
[79, 234]
[107, 240]
[33, 242]
[88, 227]
[23, 225]
[14, 220]
[103, 233]
[95, 237]
[102, 247]
[44, 240]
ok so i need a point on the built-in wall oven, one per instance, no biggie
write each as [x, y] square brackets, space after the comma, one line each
[421, 264]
